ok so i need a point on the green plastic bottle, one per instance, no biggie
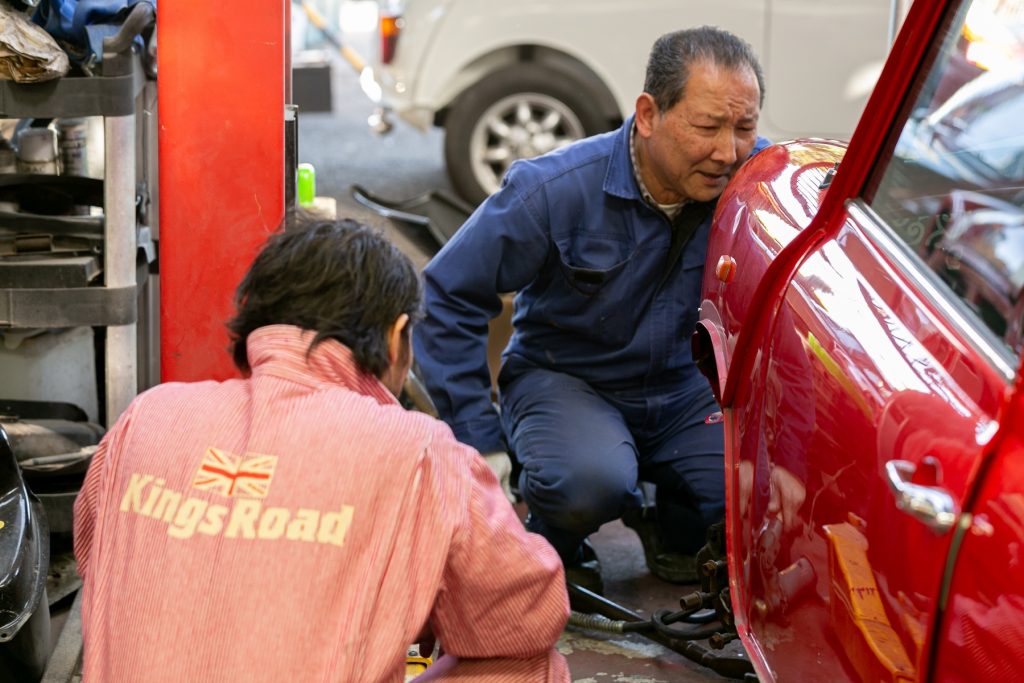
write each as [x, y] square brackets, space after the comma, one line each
[306, 185]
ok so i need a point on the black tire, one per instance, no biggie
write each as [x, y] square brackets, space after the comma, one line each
[543, 90]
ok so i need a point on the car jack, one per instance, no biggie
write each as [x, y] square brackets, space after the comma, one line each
[705, 615]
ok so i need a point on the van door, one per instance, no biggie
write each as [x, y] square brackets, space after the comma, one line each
[818, 76]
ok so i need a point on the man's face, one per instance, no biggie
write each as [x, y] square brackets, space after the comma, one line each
[690, 151]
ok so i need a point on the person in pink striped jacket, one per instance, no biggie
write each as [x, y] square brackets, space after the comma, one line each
[298, 524]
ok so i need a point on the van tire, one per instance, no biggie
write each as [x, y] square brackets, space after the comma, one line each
[534, 90]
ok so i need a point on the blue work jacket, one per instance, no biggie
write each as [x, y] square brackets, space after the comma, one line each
[571, 233]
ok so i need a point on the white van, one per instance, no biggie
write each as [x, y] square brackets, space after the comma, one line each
[514, 79]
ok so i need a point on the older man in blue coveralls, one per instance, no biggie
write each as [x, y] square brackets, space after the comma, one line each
[604, 240]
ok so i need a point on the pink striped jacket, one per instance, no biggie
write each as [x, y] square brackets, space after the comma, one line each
[299, 525]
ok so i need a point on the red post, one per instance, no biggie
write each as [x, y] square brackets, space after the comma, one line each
[221, 93]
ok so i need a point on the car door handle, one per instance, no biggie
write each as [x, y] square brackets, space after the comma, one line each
[931, 504]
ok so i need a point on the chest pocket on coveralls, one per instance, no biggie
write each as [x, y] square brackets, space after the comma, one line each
[588, 295]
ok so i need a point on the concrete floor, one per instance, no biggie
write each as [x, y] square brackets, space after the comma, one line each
[631, 658]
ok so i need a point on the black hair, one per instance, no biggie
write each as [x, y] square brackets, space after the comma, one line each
[668, 68]
[338, 278]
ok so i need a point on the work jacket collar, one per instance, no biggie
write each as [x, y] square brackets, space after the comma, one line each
[283, 351]
[620, 180]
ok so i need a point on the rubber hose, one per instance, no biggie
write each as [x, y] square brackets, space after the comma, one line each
[598, 622]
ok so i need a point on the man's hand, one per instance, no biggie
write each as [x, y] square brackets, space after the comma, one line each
[501, 465]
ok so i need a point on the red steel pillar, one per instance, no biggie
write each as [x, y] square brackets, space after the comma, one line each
[221, 87]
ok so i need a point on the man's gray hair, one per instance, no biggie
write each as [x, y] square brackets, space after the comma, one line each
[668, 68]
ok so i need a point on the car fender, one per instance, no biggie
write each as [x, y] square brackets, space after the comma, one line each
[754, 223]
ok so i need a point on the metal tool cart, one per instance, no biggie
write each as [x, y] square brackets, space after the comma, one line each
[78, 313]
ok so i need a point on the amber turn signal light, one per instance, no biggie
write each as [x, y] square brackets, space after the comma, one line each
[726, 269]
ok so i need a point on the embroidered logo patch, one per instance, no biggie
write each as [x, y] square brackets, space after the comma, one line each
[234, 476]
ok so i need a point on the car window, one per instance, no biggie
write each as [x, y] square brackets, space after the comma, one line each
[953, 189]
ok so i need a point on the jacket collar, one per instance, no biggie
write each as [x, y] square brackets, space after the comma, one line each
[620, 181]
[283, 351]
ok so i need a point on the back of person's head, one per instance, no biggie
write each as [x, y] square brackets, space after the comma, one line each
[339, 278]
[673, 54]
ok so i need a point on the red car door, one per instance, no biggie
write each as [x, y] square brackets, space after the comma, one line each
[872, 396]
[868, 384]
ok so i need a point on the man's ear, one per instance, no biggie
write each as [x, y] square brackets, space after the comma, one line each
[646, 114]
[396, 335]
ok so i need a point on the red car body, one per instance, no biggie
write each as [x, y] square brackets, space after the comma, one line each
[873, 402]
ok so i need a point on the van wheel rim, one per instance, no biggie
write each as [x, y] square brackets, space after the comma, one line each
[519, 126]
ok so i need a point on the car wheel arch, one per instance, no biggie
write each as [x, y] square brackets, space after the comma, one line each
[486, 65]
[476, 155]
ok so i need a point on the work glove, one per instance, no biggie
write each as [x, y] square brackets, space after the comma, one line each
[501, 465]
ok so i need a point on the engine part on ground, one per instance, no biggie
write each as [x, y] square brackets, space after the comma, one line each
[714, 573]
[735, 666]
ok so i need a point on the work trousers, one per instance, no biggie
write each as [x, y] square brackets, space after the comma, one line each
[585, 451]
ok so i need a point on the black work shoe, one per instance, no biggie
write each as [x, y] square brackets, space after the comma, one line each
[586, 571]
[668, 566]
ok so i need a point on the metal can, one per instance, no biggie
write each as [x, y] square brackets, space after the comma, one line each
[73, 135]
[37, 151]
[74, 148]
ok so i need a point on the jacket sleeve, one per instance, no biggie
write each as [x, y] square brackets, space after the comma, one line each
[503, 588]
[91, 498]
[500, 248]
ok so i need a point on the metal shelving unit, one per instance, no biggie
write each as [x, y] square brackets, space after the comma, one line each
[70, 282]
[59, 293]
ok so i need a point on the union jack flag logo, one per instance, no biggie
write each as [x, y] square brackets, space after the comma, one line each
[232, 475]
